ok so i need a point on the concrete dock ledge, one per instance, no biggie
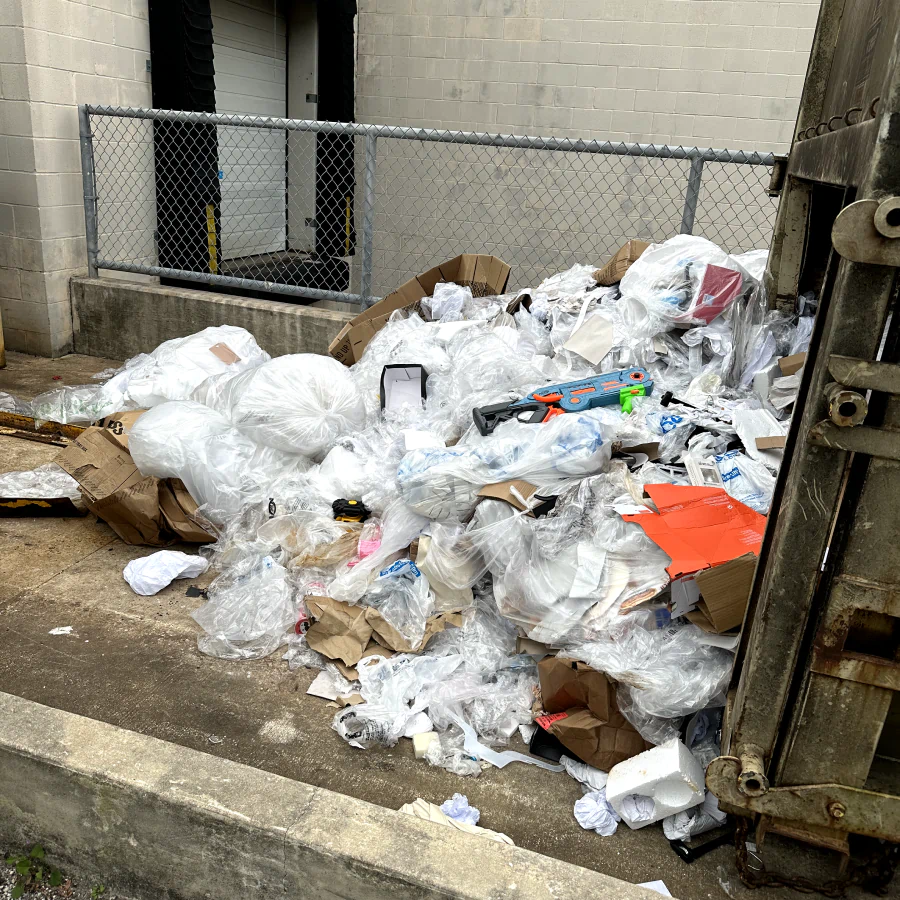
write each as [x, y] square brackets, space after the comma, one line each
[118, 319]
[160, 820]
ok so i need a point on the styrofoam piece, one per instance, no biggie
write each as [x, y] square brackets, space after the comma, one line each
[421, 743]
[668, 775]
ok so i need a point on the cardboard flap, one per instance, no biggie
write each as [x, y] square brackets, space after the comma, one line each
[790, 365]
[595, 742]
[99, 463]
[725, 592]
[177, 507]
[133, 513]
[388, 636]
[621, 262]
[503, 490]
[119, 424]
[566, 683]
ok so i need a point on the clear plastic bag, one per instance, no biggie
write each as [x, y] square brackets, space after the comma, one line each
[300, 403]
[251, 607]
[11, 404]
[686, 280]
[446, 302]
[443, 483]
[448, 752]
[78, 405]
[222, 469]
[401, 594]
[44, 482]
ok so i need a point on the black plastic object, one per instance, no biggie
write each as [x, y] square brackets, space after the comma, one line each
[350, 510]
[690, 854]
[487, 418]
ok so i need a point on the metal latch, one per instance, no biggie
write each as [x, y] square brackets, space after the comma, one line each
[866, 232]
[847, 408]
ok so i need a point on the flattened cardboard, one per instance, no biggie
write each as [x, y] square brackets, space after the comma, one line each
[699, 527]
[790, 365]
[343, 632]
[350, 672]
[776, 442]
[598, 743]
[503, 490]
[621, 262]
[178, 509]
[724, 594]
[225, 353]
[566, 683]
[487, 274]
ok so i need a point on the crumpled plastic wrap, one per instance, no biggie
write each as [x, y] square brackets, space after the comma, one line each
[443, 483]
[663, 674]
[78, 405]
[251, 607]
[746, 479]
[457, 807]
[300, 403]
[44, 482]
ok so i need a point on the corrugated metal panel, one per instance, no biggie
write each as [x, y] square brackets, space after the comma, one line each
[250, 46]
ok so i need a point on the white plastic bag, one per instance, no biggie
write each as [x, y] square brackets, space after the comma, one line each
[747, 480]
[221, 468]
[300, 403]
[148, 575]
[177, 367]
[457, 807]
[594, 812]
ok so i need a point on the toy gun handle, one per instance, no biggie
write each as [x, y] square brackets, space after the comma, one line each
[487, 418]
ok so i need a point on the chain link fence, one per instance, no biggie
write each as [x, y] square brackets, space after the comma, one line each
[324, 210]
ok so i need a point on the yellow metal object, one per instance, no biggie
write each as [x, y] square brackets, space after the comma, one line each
[211, 239]
[347, 221]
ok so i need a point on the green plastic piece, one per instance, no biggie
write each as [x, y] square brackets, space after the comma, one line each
[626, 395]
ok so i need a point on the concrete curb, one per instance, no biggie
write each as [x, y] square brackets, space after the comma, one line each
[160, 820]
[119, 319]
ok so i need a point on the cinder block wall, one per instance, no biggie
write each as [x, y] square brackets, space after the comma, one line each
[720, 73]
[55, 54]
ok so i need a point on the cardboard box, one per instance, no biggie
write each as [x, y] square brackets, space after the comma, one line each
[141, 510]
[486, 275]
[790, 365]
[624, 258]
[776, 442]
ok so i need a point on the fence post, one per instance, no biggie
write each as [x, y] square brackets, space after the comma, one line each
[86, 139]
[695, 179]
[365, 284]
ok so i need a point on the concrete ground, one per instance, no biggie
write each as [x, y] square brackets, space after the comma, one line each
[133, 662]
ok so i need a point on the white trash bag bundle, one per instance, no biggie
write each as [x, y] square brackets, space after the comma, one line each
[300, 403]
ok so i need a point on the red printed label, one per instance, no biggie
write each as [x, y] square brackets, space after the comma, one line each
[546, 721]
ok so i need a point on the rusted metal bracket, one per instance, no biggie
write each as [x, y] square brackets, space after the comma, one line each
[832, 806]
[777, 176]
[26, 423]
[881, 442]
[866, 232]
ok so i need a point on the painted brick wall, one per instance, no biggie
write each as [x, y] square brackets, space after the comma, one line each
[722, 73]
[55, 54]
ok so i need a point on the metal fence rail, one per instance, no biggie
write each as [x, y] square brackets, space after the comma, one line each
[325, 210]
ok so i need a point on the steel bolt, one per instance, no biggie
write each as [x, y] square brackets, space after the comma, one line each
[836, 810]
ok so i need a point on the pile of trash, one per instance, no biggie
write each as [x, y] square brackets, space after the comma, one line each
[490, 515]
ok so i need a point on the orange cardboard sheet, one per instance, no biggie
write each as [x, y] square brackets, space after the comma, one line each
[699, 527]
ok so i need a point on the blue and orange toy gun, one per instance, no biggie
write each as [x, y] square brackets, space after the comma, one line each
[574, 396]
